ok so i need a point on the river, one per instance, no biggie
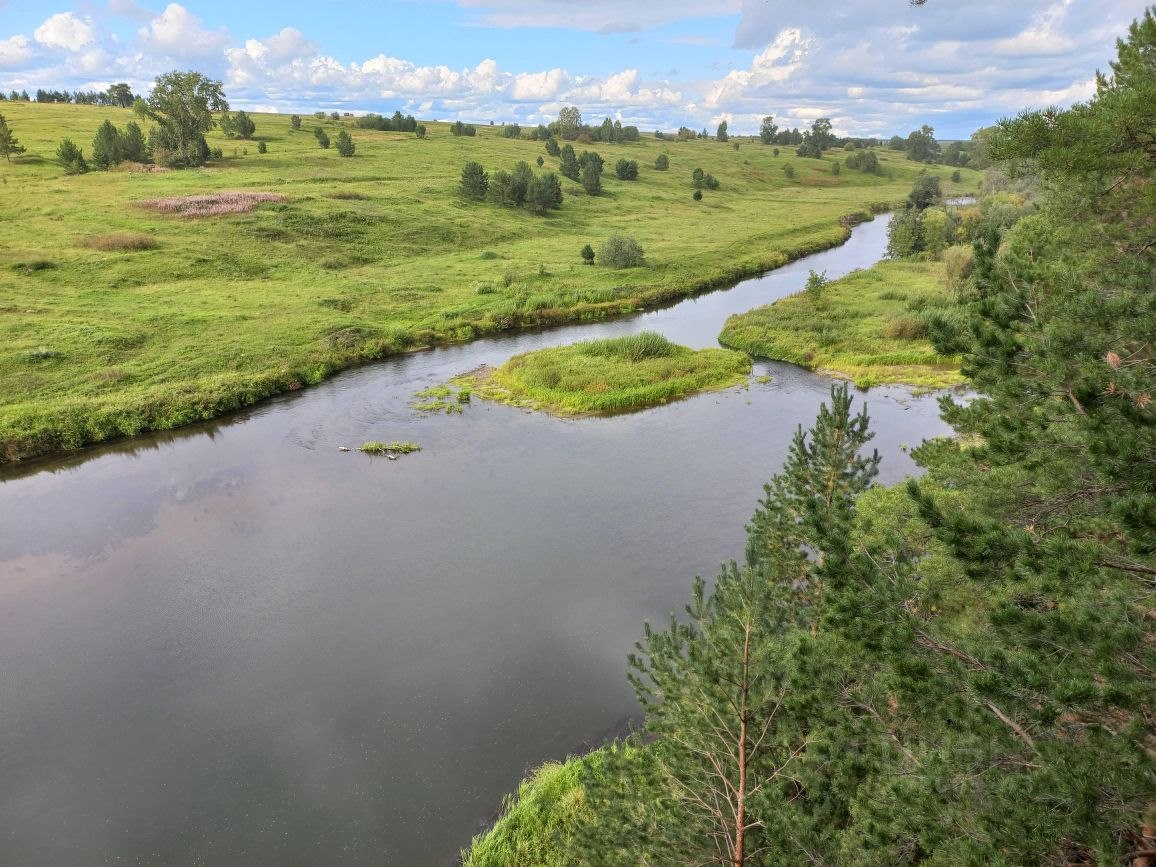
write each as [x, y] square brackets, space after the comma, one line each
[235, 644]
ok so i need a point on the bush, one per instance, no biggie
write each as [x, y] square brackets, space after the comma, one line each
[775, 151]
[322, 138]
[697, 195]
[475, 182]
[591, 180]
[789, 170]
[905, 328]
[588, 255]
[956, 176]
[345, 145]
[662, 162]
[71, 157]
[295, 122]
[626, 170]
[262, 148]
[702, 179]
[621, 251]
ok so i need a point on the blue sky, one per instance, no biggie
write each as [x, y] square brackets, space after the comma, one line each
[875, 68]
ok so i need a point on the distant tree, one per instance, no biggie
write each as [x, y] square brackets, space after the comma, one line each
[463, 129]
[475, 182]
[697, 196]
[9, 145]
[569, 122]
[71, 157]
[321, 136]
[243, 125]
[569, 163]
[182, 104]
[925, 192]
[543, 193]
[662, 162]
[817, 139]
[106, 146]
[295, 122]
[789, 170]
[420, 130]
[864, 161]
[121, 95]
[921, 145]
[591, 180]
[721, 134]
[702, 180]
[262, 147]
[344, 144]
[334, 115]
[621, 251]
[895, 143]
[132, 143]
[588, 255]
[626, 170]
[768, 130]
[775, 152]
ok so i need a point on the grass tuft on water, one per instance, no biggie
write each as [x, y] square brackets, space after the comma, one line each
[600, 377]
[391, 448]
[869, 327]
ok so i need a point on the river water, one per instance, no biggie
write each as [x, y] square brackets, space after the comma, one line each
[235, 644]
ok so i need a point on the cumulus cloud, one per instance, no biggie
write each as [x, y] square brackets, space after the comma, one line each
[64, 30]
[600, 16]
[15, 50]
[178, 33]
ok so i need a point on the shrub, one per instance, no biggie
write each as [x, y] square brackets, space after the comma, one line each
[626, 170]
[475, 181]
[71, 157]
[262, 148]
[591, 180]
[420, 130]
[541, 162]
[697, 195]
[955, 176]
[662, 162]
[789, 170]
[621, 251]
[344, 144]
[295, 122]
[905, 328]
[835, 168]
[775, 151]
[588, 255]
[322, 138]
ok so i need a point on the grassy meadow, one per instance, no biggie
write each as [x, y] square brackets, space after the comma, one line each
[868, 327]
[117, 319]
[608, 376]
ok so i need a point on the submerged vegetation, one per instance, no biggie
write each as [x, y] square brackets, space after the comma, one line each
[608, 376]
[869, 327]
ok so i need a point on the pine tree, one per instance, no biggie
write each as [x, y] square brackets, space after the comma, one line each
[106, 146]
[344, 144]
[71, 157]
[9, 145]
[475, 181]
[132, 143]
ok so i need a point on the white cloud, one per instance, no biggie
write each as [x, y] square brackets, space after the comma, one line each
[781, 59]
[65, 30]
[600, 16]
[15, 50]
[178, 33]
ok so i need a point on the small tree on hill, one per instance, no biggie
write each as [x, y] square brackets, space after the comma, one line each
[243, 125]
[71, 157]
[321, 136]
[106, 146]
[569, 163]
[295, 122]
[721, 135]
[475, 182]
[768, 130]
[925, 192]
[132, 143]
[588, 255]
[262, 147]
[9, 145]
[662, 162]
[626, 170]
[182, 104]
[591, 180]
[344, 144]
[621, 251]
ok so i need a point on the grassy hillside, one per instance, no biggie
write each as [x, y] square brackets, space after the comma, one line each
[365, 257]
[868, 327]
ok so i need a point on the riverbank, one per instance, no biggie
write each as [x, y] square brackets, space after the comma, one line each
[869, 327]
[121, 320]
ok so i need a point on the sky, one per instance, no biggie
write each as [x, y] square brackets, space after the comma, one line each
[875, 68]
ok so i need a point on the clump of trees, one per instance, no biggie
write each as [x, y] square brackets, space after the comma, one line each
[463, 129]
[119, 95]
[864, 161]
[520, 188]
[817, 139]
[9, 145]
[703, 180]
[182, 105]
[238, 125]
[111, 146]
[396, 123]
[621, 251]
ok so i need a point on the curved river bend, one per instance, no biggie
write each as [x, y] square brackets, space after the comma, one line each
[237, 645]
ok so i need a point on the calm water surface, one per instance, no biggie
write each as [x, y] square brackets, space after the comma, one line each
[238, 645]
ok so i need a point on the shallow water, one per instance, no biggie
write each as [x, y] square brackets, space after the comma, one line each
[236, 644]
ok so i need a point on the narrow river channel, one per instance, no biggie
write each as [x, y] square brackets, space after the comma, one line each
[236, 644]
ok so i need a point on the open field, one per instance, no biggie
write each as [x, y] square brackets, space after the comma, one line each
[609, 376]
[867, 327]
[119, 319]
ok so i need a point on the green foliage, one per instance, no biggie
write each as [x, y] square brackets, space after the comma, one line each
[106, 146]
[768, 130]
[132, 143]
[71, 158]
[626, 170]
[9, 145]
[703, 180]
[613, 375]
[588, 254]
[475, 183]
[621, 251]
[864, 161]
[322, 137]
[552, 147]
[243, 125]
[817, 139]
[569, 162]
[591, 179]
[344, 144]
[463, 129]
[789, 171]
[925, 192]
[922, 146]
[697, 195]
[721, 133]
[391, 448]
[295, 122]
[662, 162]
[262, 148]
[182, 105]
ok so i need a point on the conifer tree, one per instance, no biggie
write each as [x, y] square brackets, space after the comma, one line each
[9, 145]
[106, 146]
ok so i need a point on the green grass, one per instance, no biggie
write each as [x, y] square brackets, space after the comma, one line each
[867, 327]
[156, 320]
[391, 448]
[608, 376]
